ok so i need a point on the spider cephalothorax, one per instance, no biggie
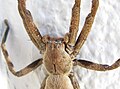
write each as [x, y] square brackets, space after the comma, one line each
[58, 53]
[56, 59]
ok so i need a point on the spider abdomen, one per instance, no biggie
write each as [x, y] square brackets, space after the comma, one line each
[58, 82]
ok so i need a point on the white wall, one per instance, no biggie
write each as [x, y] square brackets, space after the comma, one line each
[53, 17]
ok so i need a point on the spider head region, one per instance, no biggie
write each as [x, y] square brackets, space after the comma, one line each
[53, 43]
[55, 58]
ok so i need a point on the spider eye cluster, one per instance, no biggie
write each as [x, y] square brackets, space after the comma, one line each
[56, 41]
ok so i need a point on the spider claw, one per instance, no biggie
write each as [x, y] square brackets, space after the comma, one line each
[6, 22]
[6, 32]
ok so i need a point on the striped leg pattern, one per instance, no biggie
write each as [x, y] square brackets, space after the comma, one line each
[21, 72]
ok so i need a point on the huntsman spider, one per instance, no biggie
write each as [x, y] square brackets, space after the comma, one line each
[58, 54]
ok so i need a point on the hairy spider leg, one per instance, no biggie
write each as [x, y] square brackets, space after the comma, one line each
[74, 81]
[86, 28]
[96, 66]
[30, 27]
[43, 83]
[21, 72]
[74, 25]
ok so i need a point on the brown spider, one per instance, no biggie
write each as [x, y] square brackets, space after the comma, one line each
[58, 53]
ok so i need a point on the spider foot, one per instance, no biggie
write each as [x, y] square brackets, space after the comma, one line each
[6, 32]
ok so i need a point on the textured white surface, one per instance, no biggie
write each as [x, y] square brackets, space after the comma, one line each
[53, 17]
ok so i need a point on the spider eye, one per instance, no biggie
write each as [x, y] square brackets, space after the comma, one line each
[49, 41]
[58, 41]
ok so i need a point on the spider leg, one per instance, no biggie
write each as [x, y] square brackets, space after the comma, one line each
[6, 32]
[24, 71]
[86, 28]
[43, 83]
[74, 81]
[30, 27]
[74, 23]
[96, 66]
